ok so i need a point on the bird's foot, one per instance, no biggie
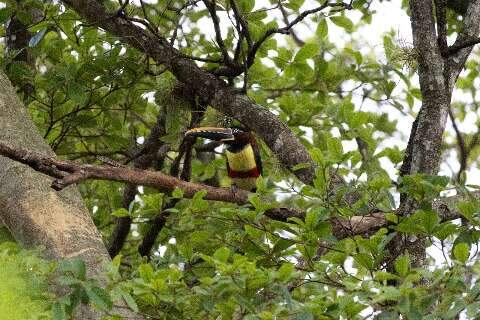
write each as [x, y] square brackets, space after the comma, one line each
[234, 189]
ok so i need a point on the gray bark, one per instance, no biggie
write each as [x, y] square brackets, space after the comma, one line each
[437, 74]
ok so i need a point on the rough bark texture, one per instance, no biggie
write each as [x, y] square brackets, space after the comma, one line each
[34, 213]
[276, 134]
[437, 74]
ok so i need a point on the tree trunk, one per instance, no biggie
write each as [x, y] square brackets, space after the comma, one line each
[35, 214]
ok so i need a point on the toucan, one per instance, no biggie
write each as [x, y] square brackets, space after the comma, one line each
[244, 165]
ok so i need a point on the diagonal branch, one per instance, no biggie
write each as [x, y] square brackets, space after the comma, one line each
[284, 12]
[467, 37]
[456, 47]
[218, 34]
[284, 144]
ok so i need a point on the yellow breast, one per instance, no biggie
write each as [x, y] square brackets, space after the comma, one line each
[243, 160]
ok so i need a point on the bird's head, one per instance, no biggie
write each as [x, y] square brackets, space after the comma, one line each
[229, 136]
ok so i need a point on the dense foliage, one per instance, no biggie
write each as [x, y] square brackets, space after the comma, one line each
[92, 97]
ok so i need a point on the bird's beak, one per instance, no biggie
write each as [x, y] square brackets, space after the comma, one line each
[212, 133]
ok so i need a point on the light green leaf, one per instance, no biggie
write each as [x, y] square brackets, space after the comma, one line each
[127, 297]
[121, 212]
[308, 51]
[177, 193]
[222, 254]
[285, 272]
[58, 313]
[461, 252]
[322, 29]
[343, 22]
[402, 265]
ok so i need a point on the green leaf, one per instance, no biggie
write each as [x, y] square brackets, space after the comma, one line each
[467, 209]
[246, 6]
[304, 315]
[322, 29]
[58, 313]
[364, 259]
[127, 297]
[198, 203]
[389, 86]
[177, 193]
[77, 92]
[222, 254]
[309, 50]
[294, 4]
[5, 14]
[99, 297]
[282, 244]
[299, 166]
[461, 252]
[146, 272]
[335, 149]
[402, 265]
[121, 212]
[343, 22]
[79, 268]
[254, 233]
[429, 220]
[285, 272]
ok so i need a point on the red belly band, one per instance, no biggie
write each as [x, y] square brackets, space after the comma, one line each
[253, 173]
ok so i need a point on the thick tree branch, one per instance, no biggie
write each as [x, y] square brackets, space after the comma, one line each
[423, 151]
[437, 78]
[342, 228]
[76, 173]
[284, 144]
[453, 49]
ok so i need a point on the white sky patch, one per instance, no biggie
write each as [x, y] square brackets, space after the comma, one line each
[150, 96]
[308, 133]
[161, 251]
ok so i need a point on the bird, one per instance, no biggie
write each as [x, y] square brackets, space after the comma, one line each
[244, 164]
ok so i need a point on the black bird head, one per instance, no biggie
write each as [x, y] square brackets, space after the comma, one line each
[234, 136]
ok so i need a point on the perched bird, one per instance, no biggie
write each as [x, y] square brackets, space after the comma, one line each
[244, 165]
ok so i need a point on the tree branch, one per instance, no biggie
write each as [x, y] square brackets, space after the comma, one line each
[467, 37]
[284, 144]
[441, 13]
[218, 34]
[423, 151]
[342, 228]
[463, 156]
[456, 47]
